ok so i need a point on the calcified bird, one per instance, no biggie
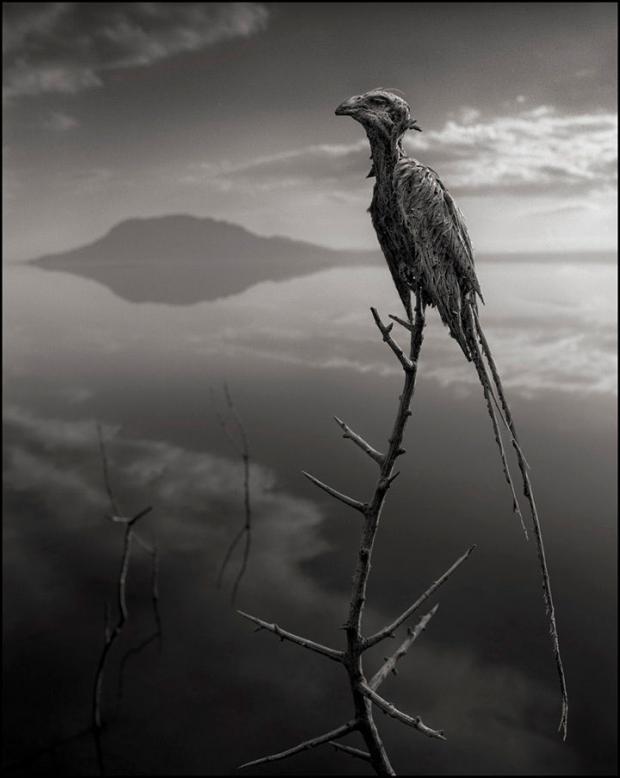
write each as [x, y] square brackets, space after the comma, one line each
[426, 245]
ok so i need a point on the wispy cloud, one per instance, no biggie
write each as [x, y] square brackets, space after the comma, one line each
[196, 494]
[61, 122]
[538, 150]
[550, 327]
[66, 47]
[321, 162]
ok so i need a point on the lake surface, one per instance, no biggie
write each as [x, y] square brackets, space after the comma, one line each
[211, 694]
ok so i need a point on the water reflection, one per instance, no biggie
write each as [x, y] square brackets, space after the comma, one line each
[294, 354]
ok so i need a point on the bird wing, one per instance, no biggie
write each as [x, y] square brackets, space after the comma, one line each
[431, 213]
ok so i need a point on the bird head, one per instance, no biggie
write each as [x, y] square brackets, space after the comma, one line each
[380, 111]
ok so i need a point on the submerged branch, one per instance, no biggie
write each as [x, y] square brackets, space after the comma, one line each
[111, 634]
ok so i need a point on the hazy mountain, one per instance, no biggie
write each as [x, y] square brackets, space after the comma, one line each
[183, 259]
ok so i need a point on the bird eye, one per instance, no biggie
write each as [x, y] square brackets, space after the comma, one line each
[378, 100]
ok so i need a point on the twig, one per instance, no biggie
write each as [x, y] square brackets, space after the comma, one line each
[415, 722]
[112, 633]
[350, 750]
[331, 653]
[389, 666]
[228, 555]
[106, 475]
[157, 633]
[305, 746]
[389, 630]
[132, 652]
[385, 331]
[359, 506]
[359, 441]
[406, 324]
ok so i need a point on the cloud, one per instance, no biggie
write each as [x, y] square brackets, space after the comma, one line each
[321, 162]
[537, 150]
[197, 495]
[551, 327]
[59, 566]
[61, 122]
[66, 47]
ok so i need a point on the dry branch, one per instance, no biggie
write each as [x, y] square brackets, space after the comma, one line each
[389, 630]
[331, 653]
[389, 665]
[363, 691]
[111, 634]
[415, 722]
[385, 331]
[359, 506]
[306, 745]
[359, 441]
[351, 751]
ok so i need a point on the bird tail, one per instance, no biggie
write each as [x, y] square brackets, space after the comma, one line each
[469, 330]
[479, 348]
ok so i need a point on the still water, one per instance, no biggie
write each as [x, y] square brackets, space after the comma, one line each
[210, 694]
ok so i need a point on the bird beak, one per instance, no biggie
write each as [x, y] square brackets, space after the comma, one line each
[349, 107]
[413, 126]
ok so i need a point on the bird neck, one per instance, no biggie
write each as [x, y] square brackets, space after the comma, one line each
[385, 152]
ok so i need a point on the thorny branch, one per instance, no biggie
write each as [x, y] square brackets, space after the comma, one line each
[364, 692]
[389, 665]
[350, 750]
[306, 745]
[111, 634]
[331, 653]
[388, 631]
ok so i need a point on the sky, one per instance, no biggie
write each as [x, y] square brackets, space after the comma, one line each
[114, 111]
[118, 110]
